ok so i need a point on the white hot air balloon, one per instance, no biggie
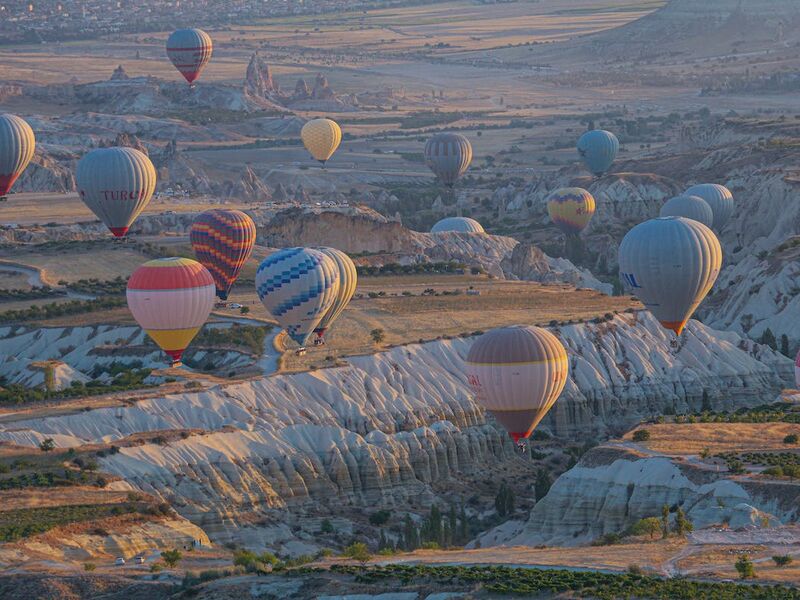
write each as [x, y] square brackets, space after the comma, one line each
[719, 198]
[670, 264]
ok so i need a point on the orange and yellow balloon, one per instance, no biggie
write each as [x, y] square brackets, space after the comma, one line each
[571, 209]
[171, 298]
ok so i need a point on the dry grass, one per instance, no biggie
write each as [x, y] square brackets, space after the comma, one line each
[63, 496]
[692, 438]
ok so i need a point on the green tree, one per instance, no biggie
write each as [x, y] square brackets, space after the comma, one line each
[244, 310]
[326, 526]
[410, 534]
[790, 439]
[768, 339]
[47, 445]
[504, 500]
[452, 526]
[641, 435]
[785, 345]
[682, 524]
[89, 566]
[650, 526]
[745, 567]
[783, 560]
[382, 543]
[463, 531]
[706, 405]
[542, 484]
[171, 557]
[357, 551]
[665, 521]
[378, 335]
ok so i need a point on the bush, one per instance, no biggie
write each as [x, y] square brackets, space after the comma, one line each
[48, 444]
[89, 566]
[651, 526]
[171, 558]
[380, 518]
[641, 435]
[745, 567]
[326, 526]
[782, 561]
[430, 546]
[790, 439]
[357, 551]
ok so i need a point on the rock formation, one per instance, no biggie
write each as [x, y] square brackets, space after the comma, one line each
[258, 80]
[301, 90]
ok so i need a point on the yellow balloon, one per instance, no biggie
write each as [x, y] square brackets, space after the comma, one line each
[321, 137]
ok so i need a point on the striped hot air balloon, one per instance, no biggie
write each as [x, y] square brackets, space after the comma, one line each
[117, 184]
[17, 145]
[222, 241]
[691, 207]
[571, 209]
[171, 299]
[321, 137]
[298, 286]
[459, 224]
[670, 264]
[348, 281]
[719, 198]
[189, 50]
[517, 374]
[448, 155]
[598, 149]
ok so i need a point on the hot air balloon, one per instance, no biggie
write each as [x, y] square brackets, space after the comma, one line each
[17, 144]
[691, 207]
[598, 149]
[171, 298]
[517, 374]
[460, 224]
[719, 198]
[117, 184]
[348, 280]
[298, 286]
[448, 155]
[189, 50]
[321, 137]
[670, 264]
[570, 209]
[222, 241]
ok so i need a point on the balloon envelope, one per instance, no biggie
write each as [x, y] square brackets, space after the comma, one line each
[189, 50]
[448, 155]
[598, 149]
[222, 241]
[348, 280]
[461, 224]
[17, 145]
[298, 286]
[571, 209]
[719, 198]
[117, 184]
[517, 374]
[670, 264]
[321, 137]
[171, 299]
[691, 207]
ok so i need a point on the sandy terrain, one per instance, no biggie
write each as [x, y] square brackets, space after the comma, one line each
[692, 438]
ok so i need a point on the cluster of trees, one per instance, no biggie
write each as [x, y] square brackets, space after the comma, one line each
[526, 582]
[768, 339]
[250, 337]
[128, 379]
[29, 294]
[436, 531]
[60, 309]
[96, 287]
[779, 412]
[24, 522]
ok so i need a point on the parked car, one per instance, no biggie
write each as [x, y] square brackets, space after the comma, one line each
[139, 560]
[120, 561]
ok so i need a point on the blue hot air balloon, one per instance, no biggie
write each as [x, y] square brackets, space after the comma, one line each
[598, 149]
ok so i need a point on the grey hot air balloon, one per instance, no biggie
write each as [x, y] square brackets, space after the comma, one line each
[517, 374]
[117, 184]
[598, 149]
[719, 198]
[670, 264]
[448, 155]
[691, 207]
[17, 145]
[461, 224]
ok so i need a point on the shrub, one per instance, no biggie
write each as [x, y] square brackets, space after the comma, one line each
[790, 439]
[357, 551]
[641, 435]
[650, 526]
[783, 560]
[48, 444]
[326, 526]
[380, 518]
[171, 558]
[89, 566]
[745, 567]
[430, 546]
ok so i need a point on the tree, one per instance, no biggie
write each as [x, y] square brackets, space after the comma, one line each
[785, 344]
[410, 534]
[682, 524]
[745, 567]
[171, 557]
[382, 543]
[452, 526]
[650, 526]
[665, 521]
[358, 551]
[782, 561]
[768, 339]
[706, 405]
[244, 310]
[463, 532]
[47, 445]
[542, 484]
[91, 566]
[790, 439]
[377, 335]
[504, 501]
[326, 526]
[641, 435]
